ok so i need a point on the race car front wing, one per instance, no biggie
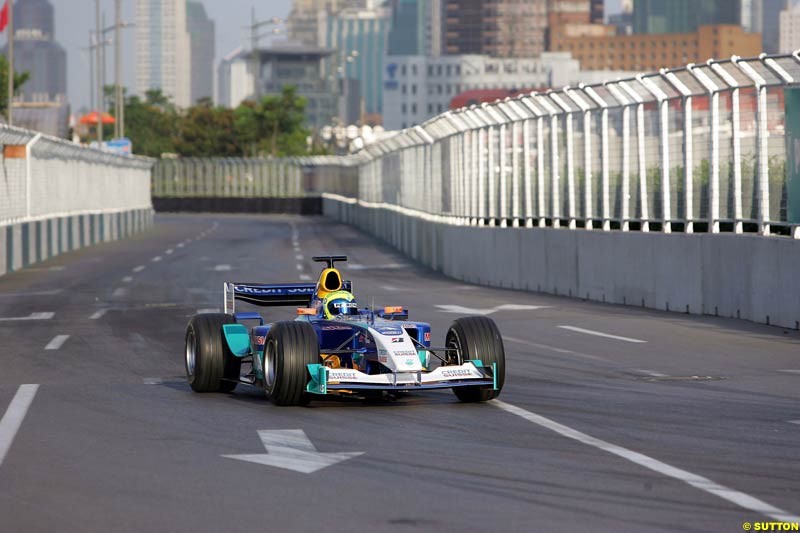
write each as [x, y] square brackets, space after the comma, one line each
[470, 374]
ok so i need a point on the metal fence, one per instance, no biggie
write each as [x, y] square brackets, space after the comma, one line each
[698, 148]
[227, 177]
[42, 177]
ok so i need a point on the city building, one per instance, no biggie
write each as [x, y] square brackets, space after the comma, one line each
[416, 27]
[598, 11]
[498, 28]
[202, 44]
[295, 65]
[623, 21]
[790, 29]
[683, 16]
[648, 52]
[359, 38]
[163, 50]
[417, 88]
[766, 16]
[37, 52]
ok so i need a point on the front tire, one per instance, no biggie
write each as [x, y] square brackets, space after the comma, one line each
[290, 346]
[477, 337]
[210, 365]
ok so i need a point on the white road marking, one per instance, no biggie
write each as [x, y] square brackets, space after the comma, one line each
[305, 277]
[554, 349]
[169, 252]
[57, 342]
[45, 269]
[299, 267]
[32, 316]
[15, 414]
[119, 292]
[223, 268]
[209, 310]
[291, 449]
[652, 373]
[127, 279]
[152, 381]
[388, 266]
[299, 257]
[601, 334]
[139, 268]
[180, 245]
[156, 259]
[794, 422]
[741, 499]
[790, 371]
[98, 314]
[478, 311]
[296, 247]
[34, 293]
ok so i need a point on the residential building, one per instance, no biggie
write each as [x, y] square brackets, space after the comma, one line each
[417, 88]
[37, 52]
[163, 49]
[683, 16]
[648, 52]
[282, 65]
[790, 29]
[358, 37]
[202, 43]
[498, 28]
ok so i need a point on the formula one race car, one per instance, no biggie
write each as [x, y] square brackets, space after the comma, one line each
[334, 347]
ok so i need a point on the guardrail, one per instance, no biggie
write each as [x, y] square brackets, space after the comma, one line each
[43, 177]
[713, 147]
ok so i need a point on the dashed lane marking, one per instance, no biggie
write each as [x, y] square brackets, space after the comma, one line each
[209, 310]
[32, 316]
[601, 334]
[169, 252]
[299, 257]
[223, 268]
[152, 381]
[790, 371]
[119, 292]
[305, 277]
[57, 342]
[797, 422]
[127, 279]
[740, 499]
[554, 349]
[139, 268]
[97, 315]
[299, 267]
[52, 292]
[15, 414]
[180, 245]
[156, 259]
[651, 373]
[478, 311]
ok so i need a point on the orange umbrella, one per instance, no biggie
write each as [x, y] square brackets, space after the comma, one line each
[92, 117]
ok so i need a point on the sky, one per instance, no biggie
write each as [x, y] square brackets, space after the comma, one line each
[74, 19]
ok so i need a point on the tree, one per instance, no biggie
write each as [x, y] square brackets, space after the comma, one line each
[274, 126]
[152, 125]
[19, 80]
[207, 131]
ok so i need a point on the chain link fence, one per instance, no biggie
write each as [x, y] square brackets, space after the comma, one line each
[710, 147]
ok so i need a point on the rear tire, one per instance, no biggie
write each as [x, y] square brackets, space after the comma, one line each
[477, 337]
[290, 346]
[210, 365]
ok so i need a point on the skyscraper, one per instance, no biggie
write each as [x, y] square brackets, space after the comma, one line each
[163, 49]
[683, 16]
[201, 35]
[36, 52]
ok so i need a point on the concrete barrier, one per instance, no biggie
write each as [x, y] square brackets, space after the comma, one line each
[740, 276]
[26, 243]
[290, 206]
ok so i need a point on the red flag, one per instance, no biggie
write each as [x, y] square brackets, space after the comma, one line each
[4, 17]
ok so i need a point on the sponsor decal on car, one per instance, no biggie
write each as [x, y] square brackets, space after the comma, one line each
[260, 340]
[397, 339]
[335, 328]
[427, 336]
[344, 376]
[409, 362]
[389, 330]
[404, 353]
[457, 373]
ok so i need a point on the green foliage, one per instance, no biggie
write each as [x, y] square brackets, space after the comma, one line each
[19, 80]
[275, 126]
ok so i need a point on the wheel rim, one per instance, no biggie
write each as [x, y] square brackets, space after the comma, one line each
[454, 342]
[270, 359]
[191, 353]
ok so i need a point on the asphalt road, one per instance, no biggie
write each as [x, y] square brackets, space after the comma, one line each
[696, 427]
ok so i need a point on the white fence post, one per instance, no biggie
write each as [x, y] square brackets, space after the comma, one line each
[663, 120]
[688, 146]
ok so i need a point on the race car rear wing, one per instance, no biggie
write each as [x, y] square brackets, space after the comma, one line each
[281, 294]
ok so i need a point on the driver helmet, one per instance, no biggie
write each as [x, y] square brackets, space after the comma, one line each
[339, 303]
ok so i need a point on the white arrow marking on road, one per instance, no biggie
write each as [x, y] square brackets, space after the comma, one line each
[506, 307]
[291, 449]
[32, 316]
